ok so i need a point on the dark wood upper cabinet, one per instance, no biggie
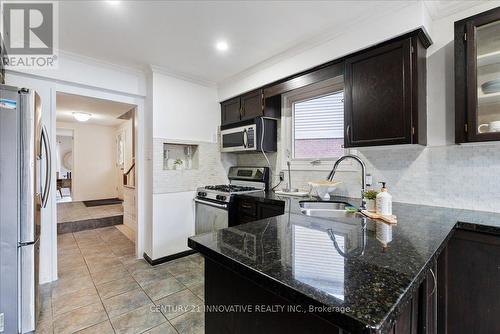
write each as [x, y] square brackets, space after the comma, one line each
[230, 111]
[248, 106]
[477, 78]
[385, 95]
[252, 105]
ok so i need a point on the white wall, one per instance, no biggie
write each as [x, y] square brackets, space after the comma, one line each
[173, 223]
[94, 161]
[103, 82]
[184, 110]
[342, 42]
[442, 174]
[180, 110]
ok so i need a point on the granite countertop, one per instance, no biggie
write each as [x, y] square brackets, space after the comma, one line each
[366, 270]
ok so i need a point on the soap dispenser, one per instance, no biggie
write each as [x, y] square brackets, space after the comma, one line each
[384, 201]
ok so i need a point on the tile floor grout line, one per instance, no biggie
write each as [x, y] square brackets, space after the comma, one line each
[102, 302]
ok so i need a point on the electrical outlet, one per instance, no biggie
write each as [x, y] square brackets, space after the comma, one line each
[282, 176]
[2, 319]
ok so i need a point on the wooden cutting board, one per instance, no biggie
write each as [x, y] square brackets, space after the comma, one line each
[388, 219]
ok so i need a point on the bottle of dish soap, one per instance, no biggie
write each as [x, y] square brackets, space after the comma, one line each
[384, 201]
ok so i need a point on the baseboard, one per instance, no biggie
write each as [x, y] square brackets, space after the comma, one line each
[168, 257]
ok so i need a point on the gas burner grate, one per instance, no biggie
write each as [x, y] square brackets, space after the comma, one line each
[227, 188]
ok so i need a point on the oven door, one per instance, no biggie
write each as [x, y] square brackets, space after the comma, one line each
[210, 216]
[238, 139]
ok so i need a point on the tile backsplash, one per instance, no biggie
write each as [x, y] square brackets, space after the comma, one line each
[212, 168]
[457, 176]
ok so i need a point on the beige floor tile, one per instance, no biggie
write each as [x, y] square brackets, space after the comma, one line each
[110, 274]
[178, 303]
[102, 249]
[132, 264]
[150, 275]
[191, 277]
[113, 288]
[64, 273]
[162, 288]
[181, 266]
[71, 284]
[125, 302]
[71, 301]
[91, 244]
[79, 319]
[68, 251]
[190, 323]
[103, 264]
[44, 328]
[124, 251]
[198, 290]
[165, 328]
[138, 321]
[101, 328]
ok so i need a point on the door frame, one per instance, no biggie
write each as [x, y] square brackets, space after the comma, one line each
[139, 129]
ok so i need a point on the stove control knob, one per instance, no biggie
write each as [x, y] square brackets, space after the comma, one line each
[202, 194]
[221, 198]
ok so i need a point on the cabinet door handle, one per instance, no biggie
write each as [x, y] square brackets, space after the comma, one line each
[435, 282]
[246, 206]
[348, 128]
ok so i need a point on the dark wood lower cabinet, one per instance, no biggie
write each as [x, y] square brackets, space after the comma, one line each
[469, 294]
[251, 209]
[226, 288]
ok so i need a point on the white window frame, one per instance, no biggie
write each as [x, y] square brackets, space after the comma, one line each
[315, 90]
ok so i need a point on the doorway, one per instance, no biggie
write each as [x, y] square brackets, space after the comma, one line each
[96, 183]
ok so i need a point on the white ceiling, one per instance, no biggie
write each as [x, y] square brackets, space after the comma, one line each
[104, 112]
[179, 36]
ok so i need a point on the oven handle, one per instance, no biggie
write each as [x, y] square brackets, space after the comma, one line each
[215, 205]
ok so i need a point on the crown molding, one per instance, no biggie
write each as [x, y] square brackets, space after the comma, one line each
[302, 47]
[138, 70]
[182, 76]
[441, 9]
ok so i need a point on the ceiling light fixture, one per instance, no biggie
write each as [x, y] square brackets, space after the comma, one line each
[222, 46]
[113, 2]
[82, 116]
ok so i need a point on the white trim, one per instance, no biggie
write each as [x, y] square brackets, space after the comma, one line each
[182, 76]
[301, 47]
[140, 129]
[138, 70]
[322, 164]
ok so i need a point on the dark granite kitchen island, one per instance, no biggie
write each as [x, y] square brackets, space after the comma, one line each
[354, 274]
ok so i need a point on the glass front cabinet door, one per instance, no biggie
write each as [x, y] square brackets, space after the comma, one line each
[477, 77]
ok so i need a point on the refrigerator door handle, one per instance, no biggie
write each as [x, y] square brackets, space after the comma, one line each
[48, 165]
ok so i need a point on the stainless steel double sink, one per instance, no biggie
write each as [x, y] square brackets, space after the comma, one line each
[330, 209]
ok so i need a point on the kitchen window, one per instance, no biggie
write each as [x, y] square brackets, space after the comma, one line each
[313, 125]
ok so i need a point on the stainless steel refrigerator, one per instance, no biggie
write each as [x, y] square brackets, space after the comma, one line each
[25, 170]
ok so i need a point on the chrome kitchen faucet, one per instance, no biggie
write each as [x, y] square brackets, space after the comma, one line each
[363, 174]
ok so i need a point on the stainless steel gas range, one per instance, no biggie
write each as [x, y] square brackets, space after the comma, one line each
[215, 204]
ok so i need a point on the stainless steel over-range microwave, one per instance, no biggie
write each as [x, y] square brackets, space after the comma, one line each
[255, 135]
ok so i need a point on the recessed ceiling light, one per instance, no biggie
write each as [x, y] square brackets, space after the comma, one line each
[113, 2]
[222, 46]
[82, 116]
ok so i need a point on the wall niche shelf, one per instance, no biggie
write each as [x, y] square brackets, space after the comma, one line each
[180, 156]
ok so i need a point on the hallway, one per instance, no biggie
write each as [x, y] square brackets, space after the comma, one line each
[102, 289]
